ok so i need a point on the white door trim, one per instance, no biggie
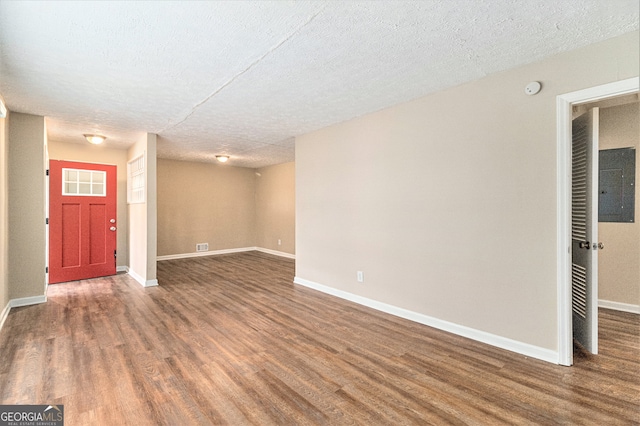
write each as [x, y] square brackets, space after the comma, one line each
[564, 104]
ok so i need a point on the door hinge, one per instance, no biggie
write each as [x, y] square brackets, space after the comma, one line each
[46, 221]
[47, 172]
[115, 254]
[46, 270]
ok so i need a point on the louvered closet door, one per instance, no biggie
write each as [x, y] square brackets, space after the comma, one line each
[584, 229]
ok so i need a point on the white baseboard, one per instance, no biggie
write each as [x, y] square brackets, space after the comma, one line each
[151, 283]
[122, 268]
[26, 301]
[618, 306]
[136, 277]
[16, 303]
[225, 251]
[204, 253]
[481, 336]
[275, 252]
[142, 281]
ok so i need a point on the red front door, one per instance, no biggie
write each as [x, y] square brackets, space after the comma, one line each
[82, 221]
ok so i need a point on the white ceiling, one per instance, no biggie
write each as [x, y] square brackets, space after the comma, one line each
[244, 78]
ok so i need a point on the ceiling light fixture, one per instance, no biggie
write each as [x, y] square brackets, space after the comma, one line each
[222, 158]
[95, 139]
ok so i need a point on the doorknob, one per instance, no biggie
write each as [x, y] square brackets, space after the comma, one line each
[112, 221]
[113, 228]
[600, 246]
[584, 245]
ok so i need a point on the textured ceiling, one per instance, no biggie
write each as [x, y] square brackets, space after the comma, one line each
[244, 78]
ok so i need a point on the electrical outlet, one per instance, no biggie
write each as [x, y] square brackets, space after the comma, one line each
[360, 277]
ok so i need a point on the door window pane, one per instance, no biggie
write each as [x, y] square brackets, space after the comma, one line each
[84, 189]
[84, 182]
[84, 176]
[71, 188]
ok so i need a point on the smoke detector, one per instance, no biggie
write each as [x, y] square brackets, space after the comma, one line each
[533, 88]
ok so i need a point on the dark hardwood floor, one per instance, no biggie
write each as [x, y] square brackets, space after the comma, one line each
[230, 340]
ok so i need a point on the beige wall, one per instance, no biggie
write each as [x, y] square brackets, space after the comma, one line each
[101, 154]
[4, 222]
[142, 217]
[152, 206]
[27, 231]
[204, 203]
[275, 208]
[619, 262]
[137, 225]
[448, 203]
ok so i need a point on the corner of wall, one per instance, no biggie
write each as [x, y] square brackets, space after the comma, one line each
[142, 225]
[152, 209]
[4, 223]
[275, 208]
[26, 206]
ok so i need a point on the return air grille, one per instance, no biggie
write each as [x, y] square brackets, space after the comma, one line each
[202, 247]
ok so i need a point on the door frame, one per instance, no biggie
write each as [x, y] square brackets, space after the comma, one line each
[564, 115]
[48, 206]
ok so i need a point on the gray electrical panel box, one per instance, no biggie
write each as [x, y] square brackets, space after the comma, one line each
[617, 189]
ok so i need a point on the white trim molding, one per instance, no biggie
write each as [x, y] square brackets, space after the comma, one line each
[4, 314]
[27, 301]
[204, 253]
[17, 303]
[122, 269]
[619, 306]
[460, 330]
[135, 276]
[225, 251]
[3, 109]
[141, 281]
[150, 283]
[564, 106]
[275, 252]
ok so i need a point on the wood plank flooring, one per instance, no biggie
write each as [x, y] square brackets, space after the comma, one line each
[230, 340]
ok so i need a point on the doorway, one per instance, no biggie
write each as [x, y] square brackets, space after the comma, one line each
[565, 104]
[82, 221]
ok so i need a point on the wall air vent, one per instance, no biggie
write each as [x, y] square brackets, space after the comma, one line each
[202, 247]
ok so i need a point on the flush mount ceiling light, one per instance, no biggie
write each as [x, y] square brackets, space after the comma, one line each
[222, 158]
[95, 139]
